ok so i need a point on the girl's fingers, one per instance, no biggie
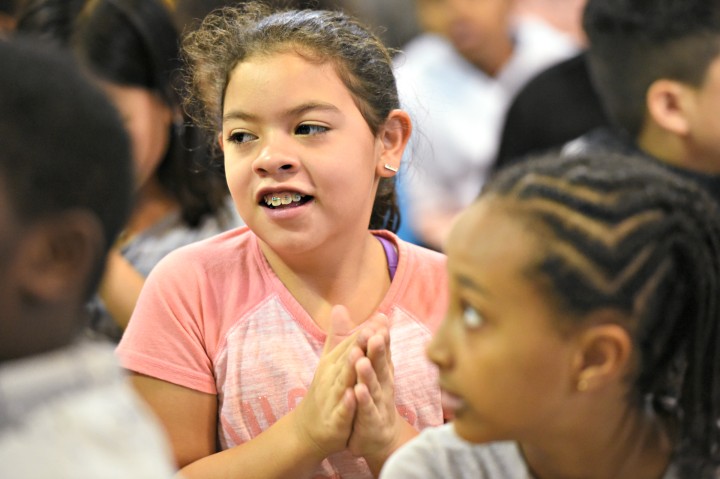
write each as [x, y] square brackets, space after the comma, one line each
[377, 324]
[339, 322]
[378, 352]
[368, 380]
[364, 399]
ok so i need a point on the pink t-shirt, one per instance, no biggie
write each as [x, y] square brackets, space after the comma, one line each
[214, 317]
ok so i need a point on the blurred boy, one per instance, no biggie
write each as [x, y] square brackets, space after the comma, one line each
[656, 67]
[66, 410]
[457, 80]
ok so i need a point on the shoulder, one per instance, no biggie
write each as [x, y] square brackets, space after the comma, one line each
[212, 252]
[418, 262]
[428, 58]
[538, 46]
[599, 140]
[81, 401]
[422, 283]
[420, 253]
[529, 31]
[559, 76]
[439, 453]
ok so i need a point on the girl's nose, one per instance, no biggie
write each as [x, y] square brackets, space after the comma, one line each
[275, 158]
[438, 350]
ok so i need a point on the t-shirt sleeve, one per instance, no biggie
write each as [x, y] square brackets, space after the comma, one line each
[167, 336]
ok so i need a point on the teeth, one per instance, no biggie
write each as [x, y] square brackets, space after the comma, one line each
[284, 198]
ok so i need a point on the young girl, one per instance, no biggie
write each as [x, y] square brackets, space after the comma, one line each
[583, 333]
[131, 48]
[236, 341]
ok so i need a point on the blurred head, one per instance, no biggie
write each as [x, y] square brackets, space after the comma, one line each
[232, 36]
[478, 29]
[574, 276]
[659, 61]
[131, 48]
[65, 185]
[432, 16]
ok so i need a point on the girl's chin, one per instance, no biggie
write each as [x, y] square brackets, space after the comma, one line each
[468, 432]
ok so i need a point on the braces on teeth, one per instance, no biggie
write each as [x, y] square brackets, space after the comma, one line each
[283, 199]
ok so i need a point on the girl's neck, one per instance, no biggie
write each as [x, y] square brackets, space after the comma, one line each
[356, 277]
[635, 446]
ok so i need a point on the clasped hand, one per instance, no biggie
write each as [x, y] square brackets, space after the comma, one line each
[350, 403]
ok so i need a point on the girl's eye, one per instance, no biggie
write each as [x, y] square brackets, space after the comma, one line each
[310, 129]
[241, 137]
[472, 318]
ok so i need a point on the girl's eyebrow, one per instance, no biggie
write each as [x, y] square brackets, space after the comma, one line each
[468, 283]
[292, 112]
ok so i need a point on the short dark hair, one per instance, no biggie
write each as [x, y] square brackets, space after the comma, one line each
[633, 43]
[63, 145]
[627, 233]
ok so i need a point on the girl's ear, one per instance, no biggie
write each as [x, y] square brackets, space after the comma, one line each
[604, 354]
[393, 138]
[220, 141]
[670, 104]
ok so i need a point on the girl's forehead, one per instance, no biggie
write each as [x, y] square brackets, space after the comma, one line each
[308, 53]
[292, 56]
[259, 71]
[488, 225]
[496, 233]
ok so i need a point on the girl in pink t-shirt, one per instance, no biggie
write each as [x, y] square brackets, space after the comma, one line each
[238, 342]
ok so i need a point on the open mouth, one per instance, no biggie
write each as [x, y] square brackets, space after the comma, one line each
[285, 199]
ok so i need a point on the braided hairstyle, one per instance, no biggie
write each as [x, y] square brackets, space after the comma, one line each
[628, 234]
[231, 35]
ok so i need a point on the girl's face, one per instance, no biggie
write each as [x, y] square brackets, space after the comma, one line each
[147, 119]
[505, 368]
[301, 162]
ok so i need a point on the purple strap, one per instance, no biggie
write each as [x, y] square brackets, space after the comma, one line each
[391, 253]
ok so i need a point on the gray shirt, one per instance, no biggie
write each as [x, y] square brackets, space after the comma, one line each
[440, 453]
[72, 414]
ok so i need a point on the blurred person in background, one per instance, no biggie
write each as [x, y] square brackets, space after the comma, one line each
[130, 48]
[457, 80]
[67, 410]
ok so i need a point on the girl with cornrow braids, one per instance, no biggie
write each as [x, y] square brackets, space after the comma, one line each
[582, 339]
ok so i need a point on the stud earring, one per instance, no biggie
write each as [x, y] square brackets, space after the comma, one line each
[391, 168]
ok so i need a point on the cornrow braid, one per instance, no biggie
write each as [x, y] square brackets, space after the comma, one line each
[629, 234]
